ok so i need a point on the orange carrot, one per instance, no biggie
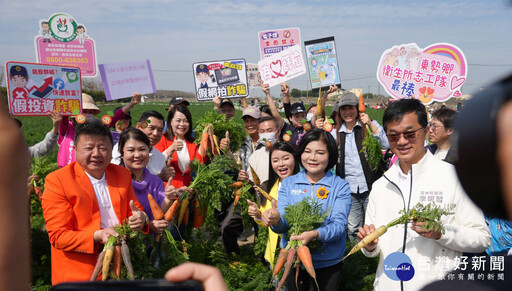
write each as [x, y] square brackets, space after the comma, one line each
[38, 192]
[158, 214]
[297, 269]
[305, 256]
[198, 215]
[238, 193]
[236, 185]
[280, 262]
[204, 142]
[117, 260]
[362, 107]
[288, 267]
[172, 210]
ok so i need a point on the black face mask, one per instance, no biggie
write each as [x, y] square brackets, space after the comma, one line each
[475, 146]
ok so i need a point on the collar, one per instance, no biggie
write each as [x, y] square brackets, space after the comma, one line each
[327, 180]
[343, 127]
[419, 167]
[95, 181]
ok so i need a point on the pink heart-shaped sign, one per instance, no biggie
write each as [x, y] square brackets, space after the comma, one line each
[456, 82]
[276, 68]
[457, 94]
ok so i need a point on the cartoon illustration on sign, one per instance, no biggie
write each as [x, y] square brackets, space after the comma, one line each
[253, 75]
[227, 79]
[435, 73]
[63, 41]
[37, 89]
[322, 62]
[45, 31]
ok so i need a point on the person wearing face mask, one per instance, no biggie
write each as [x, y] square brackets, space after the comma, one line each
[259, 160]
[66, 153]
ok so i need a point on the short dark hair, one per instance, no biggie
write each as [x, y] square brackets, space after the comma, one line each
[93, 127]
[151, 113]
[398, 109]
[269, 118]
[183, 109]
[445, 116]
[318, 134]
[132, 133]
[80, 26]
[265, 109]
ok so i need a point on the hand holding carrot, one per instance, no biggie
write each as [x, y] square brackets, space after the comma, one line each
[253, 210]
[365, 231]
[158, 226]
[305, 237]
[170, 191]
[243, 176]
[103, 235]
[319, 123]
[138, 218]
[271, 216]
[417, 226]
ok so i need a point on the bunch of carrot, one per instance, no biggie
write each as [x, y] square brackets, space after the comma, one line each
[303, 216]
[115, 248]
[209, 141]
[429, 213]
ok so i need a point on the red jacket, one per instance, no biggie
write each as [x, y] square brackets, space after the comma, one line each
[72, 215]
[181, 178]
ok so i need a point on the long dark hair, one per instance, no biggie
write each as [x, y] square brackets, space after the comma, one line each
[183, 109]
[131, 133]
[273, 177]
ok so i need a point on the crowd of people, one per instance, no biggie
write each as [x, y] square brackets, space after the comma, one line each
[105, 176]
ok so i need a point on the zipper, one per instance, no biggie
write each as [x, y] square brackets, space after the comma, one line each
[407, 209]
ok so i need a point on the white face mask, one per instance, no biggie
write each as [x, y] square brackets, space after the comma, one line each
[309, 116]
[268, 136]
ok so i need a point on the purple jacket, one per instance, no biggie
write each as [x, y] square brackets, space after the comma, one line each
[150, 185]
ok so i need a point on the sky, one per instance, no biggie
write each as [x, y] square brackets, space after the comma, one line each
[175, 34]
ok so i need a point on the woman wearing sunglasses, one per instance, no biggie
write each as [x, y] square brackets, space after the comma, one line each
[352, 164]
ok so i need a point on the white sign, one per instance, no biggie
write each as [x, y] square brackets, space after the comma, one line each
[282, 66]
[121, 80]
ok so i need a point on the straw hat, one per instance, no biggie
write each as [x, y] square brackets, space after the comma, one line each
[88, 103]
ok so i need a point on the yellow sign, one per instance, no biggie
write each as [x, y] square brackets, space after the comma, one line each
[232, 66]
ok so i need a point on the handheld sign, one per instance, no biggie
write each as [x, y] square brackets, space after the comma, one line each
[63, 41]
[282, 66]
[277, 40]
[435, 73]
[120, 80]
[227, 79]
[37, 89]
[322, 62]
[253, 75]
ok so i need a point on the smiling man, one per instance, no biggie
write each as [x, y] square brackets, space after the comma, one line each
[418, 177]
[83, 201]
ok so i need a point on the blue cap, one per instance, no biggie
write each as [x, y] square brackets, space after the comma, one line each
[202, 68]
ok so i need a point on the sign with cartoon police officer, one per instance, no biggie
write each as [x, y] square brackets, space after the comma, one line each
[63, 41]
[37, 89]
[227, 79]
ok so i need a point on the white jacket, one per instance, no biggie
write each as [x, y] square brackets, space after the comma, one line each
[466, 230]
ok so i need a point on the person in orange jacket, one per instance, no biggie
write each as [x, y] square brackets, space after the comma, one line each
[83, 201]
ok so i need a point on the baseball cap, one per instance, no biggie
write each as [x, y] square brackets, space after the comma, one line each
[297, 108]
[177, 100]
[348, 99]
[252, 111]
[226, 101]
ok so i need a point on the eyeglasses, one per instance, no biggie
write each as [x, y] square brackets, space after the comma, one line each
[434, 126]
[408, 135]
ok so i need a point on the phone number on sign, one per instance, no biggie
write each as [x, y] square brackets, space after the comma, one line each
[66, 60]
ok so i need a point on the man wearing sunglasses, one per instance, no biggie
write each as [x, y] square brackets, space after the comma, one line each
[418, 177]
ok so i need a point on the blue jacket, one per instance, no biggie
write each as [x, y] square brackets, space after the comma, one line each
[333, 230]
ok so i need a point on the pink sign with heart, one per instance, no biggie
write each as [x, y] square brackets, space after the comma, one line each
[435, 73]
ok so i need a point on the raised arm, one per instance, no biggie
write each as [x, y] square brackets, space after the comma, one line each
[272, 105]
